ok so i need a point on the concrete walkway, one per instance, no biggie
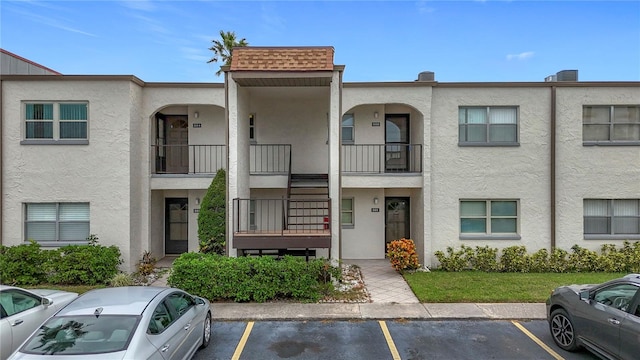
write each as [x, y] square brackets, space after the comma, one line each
[391, 298]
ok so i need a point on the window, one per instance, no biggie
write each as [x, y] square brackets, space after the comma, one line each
[348, 135]
[618, 296]
[610, 124]
[490, 125]
[346, 212]
[16, 301]
[160, 320]
[611, 217]
[66, 122]
[57, 221]
[180, 303]
[489, 217]
[252, 128]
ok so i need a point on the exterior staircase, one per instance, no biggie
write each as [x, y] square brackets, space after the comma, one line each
[308, 205]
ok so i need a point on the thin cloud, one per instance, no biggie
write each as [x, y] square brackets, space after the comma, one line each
[144, 5]
[49, 21]
[424, 8]
[522, 56]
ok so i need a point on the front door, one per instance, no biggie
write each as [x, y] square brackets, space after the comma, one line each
[176, 225]
[177, 148]
[396, 142]
[396, 219]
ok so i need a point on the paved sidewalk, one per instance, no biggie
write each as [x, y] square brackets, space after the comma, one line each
[391, 298]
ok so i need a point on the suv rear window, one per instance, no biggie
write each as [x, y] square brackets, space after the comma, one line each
[79, 335]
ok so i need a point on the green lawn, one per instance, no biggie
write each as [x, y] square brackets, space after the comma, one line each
[475, 286]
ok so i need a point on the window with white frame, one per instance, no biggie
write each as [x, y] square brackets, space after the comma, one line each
[56, 120]
[346, 212]
[612, 217]
[252, 128]
[488, 125]
[489, 217]
[348, 133]
[613, 124]
[56, 221]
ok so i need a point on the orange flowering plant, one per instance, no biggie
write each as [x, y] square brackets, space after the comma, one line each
[402, 254]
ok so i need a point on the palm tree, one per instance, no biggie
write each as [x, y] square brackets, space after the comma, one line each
[222, 48]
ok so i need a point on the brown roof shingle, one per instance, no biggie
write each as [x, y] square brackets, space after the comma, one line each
[282, 59]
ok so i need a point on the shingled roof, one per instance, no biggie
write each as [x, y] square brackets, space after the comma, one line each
[282, 58]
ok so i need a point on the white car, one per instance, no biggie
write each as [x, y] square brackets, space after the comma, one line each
[22, 311]
[135, 322]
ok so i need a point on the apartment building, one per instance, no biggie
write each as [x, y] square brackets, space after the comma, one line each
[318, 167]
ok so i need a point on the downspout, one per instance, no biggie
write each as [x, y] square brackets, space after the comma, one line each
[229, 227]
[552, 170]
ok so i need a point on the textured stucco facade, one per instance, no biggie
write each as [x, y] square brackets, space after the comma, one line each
[115, 170]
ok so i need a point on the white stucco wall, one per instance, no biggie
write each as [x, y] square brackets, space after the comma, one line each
[365, 240]
[590, 172]
[98, 173]
[516, 173]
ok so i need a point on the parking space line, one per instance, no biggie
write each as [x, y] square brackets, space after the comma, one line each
[537, 341]
[243, 341]
[387, 336]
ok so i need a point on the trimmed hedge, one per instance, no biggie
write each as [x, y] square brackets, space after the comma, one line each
[29, 264]
[517, 259]
[260, 279]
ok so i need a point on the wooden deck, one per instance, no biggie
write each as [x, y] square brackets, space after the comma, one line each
[282, 239]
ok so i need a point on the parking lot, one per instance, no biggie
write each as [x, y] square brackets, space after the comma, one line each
[389, 339]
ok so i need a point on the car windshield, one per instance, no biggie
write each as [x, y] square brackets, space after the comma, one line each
[79, 335]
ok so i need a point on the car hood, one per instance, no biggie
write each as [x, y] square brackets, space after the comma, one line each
[577, 288]
[107, 356]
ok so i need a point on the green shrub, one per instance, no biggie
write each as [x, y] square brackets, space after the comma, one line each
[121, 279]
[583, 260]
[212, 216]
[242, 279]
[485, 259]
[24, 264]
[515, 259]
[539, 261]
[455, 260]
[85, 264]
[558, 261]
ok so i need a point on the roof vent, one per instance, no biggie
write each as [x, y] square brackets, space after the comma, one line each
[426, 76]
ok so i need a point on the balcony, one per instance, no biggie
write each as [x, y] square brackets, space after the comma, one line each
[207, 159]
[189, 159]
[381, 158]
[281, 223]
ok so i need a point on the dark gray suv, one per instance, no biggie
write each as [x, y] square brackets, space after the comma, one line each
[603, 318]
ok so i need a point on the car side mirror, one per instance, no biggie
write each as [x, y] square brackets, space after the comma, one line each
[584, 295]
[46, 302]
[199, 301]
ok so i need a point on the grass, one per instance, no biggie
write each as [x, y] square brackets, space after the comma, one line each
[475, 286]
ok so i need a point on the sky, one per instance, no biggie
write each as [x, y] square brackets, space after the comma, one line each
[377, 41]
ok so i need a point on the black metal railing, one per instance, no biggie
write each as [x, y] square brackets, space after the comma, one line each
[270, 159]
[277, 216]
[381, 158]
[189, 159]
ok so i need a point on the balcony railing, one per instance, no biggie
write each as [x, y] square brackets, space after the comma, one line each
[381, 158]
[189, 159]
[281, 216]
[207, 159]
[269, 158]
